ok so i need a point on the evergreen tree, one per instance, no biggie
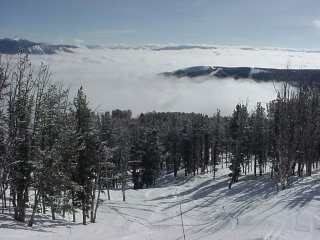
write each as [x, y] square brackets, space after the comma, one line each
[151, 159]
[19, 138]
[123, 158]
[4, 169]
[173, 146]
[216, 142]
[68, 150]
[206, 144]
[50, 107]
[259, 138]
[238, 129]
[186, 149]
[137, 154]
[87, 143]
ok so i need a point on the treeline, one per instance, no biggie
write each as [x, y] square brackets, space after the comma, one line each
[59, 155]
[48, 146]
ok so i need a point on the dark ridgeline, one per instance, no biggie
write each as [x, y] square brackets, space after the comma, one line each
[11, 46]
[295, 77]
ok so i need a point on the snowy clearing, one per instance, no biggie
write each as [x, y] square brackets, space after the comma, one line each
[252, 209]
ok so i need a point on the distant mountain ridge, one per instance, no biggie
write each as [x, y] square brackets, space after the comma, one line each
[12, 46]
[295, 77]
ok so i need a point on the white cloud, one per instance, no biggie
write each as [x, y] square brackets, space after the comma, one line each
[316, 23]
[78, 42]
[129, 78]
[59, 41]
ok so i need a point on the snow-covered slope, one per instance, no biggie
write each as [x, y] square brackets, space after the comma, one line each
[295, 76]
[11, 46]
[252, 209]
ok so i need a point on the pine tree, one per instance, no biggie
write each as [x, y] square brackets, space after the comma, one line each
[48, 178]
[173, 148]
[137, 154]
[259, 137]
[19, 126]
[186, 149]
[238, 129]
[124, 154]
[87, 142]
[68, 149]
[206, 144]
[151, 159]
[4, 173]
[215, 146]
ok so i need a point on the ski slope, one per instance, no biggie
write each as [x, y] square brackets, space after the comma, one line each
[252, 209]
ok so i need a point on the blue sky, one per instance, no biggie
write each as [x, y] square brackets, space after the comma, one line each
[258, 23]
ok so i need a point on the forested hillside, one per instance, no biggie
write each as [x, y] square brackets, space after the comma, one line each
[58, 155]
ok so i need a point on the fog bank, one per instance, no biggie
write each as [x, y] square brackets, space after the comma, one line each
[129, 78]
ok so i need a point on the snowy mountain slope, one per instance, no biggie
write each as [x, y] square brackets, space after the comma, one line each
[183, 47]
[11, 46]
[294, 76]
[252, 209]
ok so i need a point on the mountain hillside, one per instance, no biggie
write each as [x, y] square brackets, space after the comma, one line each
[12, 46]
[294, 76]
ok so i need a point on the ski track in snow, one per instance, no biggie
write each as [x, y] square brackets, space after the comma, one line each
[251, 210]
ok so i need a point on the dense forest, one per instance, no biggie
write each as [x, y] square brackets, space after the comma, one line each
[57, 154]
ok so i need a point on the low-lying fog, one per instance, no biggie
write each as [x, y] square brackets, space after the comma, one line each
[129, 79]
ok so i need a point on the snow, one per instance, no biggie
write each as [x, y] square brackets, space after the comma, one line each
[196, 69]
[257, 71]
[36, 48]
[18, 38]
[252, 209]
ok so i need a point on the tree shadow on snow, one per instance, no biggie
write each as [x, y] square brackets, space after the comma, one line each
[170, 180]
[230, 203]
[42, 223]
[303, 191]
